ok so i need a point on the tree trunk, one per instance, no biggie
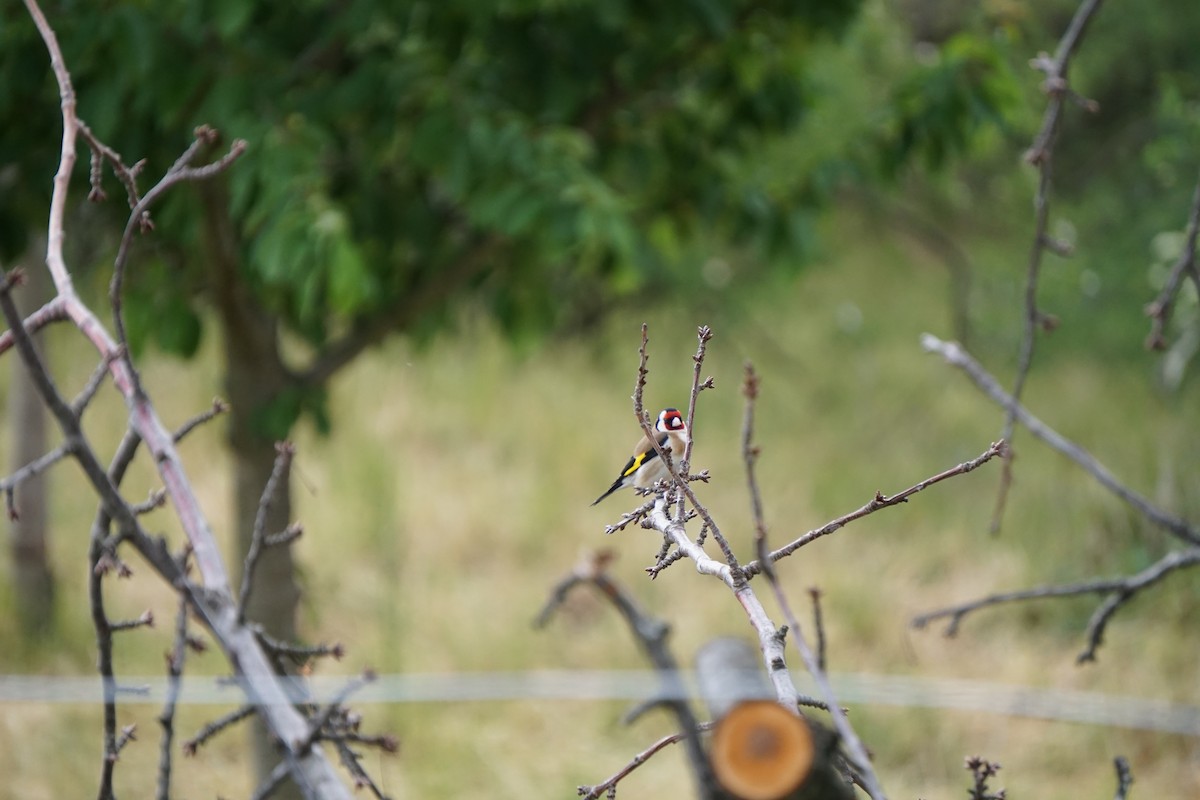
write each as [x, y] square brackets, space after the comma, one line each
[255, 377]
[32, 577]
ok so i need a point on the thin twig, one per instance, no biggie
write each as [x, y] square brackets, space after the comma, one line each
[216, 726]
[104, 662]
[146, 620]
[297, 652]
[982, 771]
[284, 451]
[139, 219]
[317, 723]
[750, 456]
[1124, 778]
[350, 760]
[101, 152]
[271, 782]
[175, 661]
[676, 478]
[1119, 591]
[289, 534]
[218, 407]
[1040, 154]
[594, 792]
[818, 625]
[157, 499]
[31, 470]
[651, 635]
[629, 517]
[1160, 309]
[93, 385]
[856, 753]
[703, 335]
[54, 311]
[958, 357]
[880, 501]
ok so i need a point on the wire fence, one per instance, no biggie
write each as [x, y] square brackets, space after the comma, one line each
[1092, 708]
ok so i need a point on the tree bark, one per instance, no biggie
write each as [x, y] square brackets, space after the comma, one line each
[255, 377]
[29, 541]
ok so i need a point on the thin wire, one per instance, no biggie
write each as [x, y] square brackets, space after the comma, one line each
[1061, 705]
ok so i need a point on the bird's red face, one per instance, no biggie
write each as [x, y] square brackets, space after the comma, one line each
[670, 420]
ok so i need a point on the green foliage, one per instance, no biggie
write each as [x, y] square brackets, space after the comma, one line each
[963, 89]
[389, 144]
[540, 159]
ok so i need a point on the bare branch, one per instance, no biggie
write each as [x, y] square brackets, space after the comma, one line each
[350, 760]
[1124, 778]
[651, 635]
[1119, 591]
[594, 792]
[956, 356]
[818, 625]
[639, 411]
[157, 499]
[139, 218]
[297, 652]
[289, 534]
[54, 311]
[750, 456]
[322, 718]
[1040, 154]
[637, 515]
[175, 660]
[271, 782]
[125, 174]
[1160, 309]
[93, 385]
[31, 470]
[856, 753]
[146, 620]
[880, 501]
[217, 408]
[703, 335]
[284, 451]
[213, 728]
[212, 603]
[982, 771]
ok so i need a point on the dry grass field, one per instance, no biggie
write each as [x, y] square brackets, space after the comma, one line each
[454, 491]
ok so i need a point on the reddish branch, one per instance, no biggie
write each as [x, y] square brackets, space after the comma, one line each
[213, 602]
[54, 311]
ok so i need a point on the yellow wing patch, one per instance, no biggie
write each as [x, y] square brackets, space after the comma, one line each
[634, 464]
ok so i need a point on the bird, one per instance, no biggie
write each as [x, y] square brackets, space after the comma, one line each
[645, 467]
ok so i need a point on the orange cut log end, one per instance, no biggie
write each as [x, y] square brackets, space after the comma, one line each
[761, 751]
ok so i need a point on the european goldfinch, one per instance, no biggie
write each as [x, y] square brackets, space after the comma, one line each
[644, 467]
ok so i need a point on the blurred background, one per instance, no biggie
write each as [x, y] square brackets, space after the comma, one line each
[430, 271]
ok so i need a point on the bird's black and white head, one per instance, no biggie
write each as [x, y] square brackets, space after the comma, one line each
[671, 421]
